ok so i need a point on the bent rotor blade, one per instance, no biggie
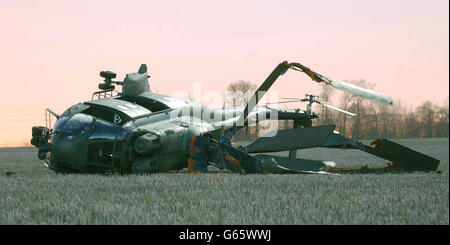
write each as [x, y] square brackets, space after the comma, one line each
[402, 156]
[338, 109]
[405, 157]
[261, 91]
[291, 139]
[365, 93]
[347, 87]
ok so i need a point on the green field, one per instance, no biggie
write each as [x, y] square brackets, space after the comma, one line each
[36, 195]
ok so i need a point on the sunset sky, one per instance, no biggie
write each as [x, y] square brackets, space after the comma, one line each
[51, 52]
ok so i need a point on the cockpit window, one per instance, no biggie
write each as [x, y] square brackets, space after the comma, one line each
[59, 123]
[77, 125]
[115, 111]
[74, 110]
[112, 116]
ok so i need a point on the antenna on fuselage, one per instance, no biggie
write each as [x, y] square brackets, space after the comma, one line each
[108, 83]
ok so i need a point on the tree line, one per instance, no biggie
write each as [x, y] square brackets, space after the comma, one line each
[376, 120]
[373, 120]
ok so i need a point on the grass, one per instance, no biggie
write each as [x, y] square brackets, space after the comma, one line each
[36, 195]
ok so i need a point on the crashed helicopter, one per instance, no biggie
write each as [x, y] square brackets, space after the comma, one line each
[138, 131]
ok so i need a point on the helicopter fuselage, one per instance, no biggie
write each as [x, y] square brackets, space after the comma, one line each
[144, 133]
[138, 131]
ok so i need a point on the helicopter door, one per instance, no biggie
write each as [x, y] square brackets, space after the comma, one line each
[102, 152]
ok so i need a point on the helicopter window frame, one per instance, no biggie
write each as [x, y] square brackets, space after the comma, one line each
[76, 125]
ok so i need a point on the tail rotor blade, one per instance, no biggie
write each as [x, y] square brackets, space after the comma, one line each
[282, 102]
[296, 99]
[338, 109]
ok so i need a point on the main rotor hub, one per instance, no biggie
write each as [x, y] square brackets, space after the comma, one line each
[311, 98]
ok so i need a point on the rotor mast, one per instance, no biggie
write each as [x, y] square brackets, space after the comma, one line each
[134, 83]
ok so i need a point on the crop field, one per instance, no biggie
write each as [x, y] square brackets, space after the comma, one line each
[35, 195]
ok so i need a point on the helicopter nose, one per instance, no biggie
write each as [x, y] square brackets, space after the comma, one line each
[69, 140]
[71, 152]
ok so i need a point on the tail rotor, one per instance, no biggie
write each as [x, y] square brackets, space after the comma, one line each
[310, 98]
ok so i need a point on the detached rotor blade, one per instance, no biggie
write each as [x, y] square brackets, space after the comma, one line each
[280, 165]
[291, 139]
[347, 87]
[338, 109]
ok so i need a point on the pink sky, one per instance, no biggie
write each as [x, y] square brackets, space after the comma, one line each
[52, 51]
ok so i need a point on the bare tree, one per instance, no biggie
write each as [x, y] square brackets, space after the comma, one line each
[326, 115]
[411, 125]
[238, 94]
[358, 107]
[385, 114]
[398, 116]
[425, 114]
[345, 101]
[442, 121]
[371, 121]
